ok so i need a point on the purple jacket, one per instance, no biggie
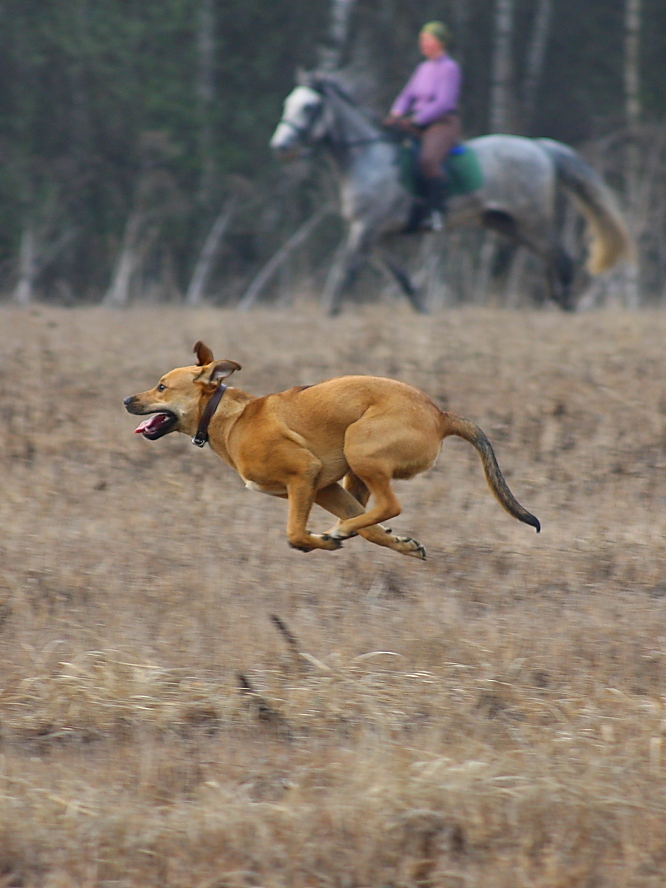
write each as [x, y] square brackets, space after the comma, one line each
[431, 91]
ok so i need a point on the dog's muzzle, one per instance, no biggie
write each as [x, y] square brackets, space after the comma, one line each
[158, 424]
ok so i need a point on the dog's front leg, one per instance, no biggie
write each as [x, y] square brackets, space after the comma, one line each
[301, 496]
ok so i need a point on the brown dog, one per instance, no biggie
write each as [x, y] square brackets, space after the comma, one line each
[301, 443]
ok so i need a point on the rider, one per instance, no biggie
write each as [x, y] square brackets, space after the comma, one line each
[427, 108]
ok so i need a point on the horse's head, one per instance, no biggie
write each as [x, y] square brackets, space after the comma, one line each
[304, 119]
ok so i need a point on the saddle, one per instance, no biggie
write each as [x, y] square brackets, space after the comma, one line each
[461, 169]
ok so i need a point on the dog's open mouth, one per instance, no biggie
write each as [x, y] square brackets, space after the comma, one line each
[157, 425]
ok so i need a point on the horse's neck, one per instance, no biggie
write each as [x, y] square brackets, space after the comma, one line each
[352, 131]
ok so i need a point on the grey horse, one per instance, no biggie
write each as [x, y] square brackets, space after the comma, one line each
[521, 179]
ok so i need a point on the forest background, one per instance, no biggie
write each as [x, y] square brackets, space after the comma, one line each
[134, 137]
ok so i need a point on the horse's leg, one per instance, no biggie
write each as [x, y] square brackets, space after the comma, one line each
[560, 275]
[345, 267]
[559, 265]
[505, 224]
[405, 283]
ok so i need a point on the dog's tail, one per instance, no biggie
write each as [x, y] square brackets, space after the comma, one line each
[463, 428]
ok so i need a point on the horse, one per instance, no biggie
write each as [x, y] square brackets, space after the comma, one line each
[520, 181]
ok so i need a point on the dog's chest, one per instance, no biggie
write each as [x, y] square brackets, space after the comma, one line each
[271, 490]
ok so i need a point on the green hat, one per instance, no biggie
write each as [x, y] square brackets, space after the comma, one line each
[438, 30]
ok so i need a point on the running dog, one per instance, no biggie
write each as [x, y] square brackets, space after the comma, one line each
[336, 443]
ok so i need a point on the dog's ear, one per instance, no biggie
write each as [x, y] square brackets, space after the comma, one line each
[218, 371]
[203, 353]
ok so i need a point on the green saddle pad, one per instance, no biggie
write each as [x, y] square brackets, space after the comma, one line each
[462, 168]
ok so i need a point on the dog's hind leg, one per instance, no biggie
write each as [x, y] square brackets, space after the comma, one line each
[370, 459]
[343, 504]
[405, 545]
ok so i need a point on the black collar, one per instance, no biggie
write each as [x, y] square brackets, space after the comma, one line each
[202, 432]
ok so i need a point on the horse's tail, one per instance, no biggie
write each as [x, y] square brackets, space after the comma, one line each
[610, 239]
[463, 428]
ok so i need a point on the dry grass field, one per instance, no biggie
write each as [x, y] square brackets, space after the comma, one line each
[494, 717]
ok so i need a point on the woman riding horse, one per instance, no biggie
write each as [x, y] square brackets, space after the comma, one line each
[428, 108]
[516, 193]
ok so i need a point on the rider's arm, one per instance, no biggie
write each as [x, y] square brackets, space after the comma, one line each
[405, 99]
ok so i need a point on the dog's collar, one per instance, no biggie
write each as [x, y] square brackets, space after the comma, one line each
[202, 431]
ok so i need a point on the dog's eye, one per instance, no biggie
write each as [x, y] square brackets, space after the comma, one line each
[161, 387]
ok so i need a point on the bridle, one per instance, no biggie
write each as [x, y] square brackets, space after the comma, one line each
[307, 126]
[304, 129]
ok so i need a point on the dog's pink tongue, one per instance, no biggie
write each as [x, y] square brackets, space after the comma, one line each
[143, 425]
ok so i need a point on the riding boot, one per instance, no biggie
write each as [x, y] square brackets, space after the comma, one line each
[435, 208]
[428, 213]
[417, 216]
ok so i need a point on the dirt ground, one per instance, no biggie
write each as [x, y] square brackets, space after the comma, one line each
[493, 717]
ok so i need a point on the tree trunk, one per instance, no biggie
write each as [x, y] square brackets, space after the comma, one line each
[205, 89]
[502, 66]
[118, 294]
[81, 128]
[536, 55]
[253, 292]
[632, 104]
[461, 15]
[330, 55]
[202, 270]
[23, 291]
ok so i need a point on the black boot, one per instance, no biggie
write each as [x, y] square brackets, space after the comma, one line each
[428, 213]
[435, 208]
[417, 216]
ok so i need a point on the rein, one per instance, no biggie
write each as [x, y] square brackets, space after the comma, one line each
[202, 431]
[301, 130]
[357, 144]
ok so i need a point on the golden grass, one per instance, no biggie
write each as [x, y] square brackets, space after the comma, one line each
[493, 717]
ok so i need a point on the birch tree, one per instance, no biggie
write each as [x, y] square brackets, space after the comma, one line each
[502, 67]
[205, 91]
[81, 126]
[461, 15]
[196, 290]
[536, 55]
[632, 104]
[330, 54]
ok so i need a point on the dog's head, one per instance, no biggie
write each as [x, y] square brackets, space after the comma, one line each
[175, 404]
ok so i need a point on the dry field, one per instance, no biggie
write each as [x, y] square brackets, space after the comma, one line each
[493, 717]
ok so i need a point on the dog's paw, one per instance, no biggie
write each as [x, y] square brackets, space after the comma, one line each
[419, 552]
[300, 548]
[334, 534]
[332, 543]
[320, 541]
[412, 548]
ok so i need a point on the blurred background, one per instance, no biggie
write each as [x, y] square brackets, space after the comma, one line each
[134, 137]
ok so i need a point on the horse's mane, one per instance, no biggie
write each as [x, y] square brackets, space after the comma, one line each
[340, 85]
[323, 81]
